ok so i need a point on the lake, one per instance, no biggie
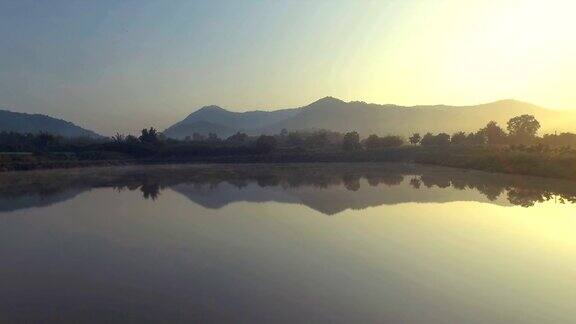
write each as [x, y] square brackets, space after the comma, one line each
[318, 243]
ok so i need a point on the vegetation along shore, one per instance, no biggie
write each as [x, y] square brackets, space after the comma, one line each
[516, 150]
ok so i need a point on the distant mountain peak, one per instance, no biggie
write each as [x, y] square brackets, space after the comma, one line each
[509, 101]
[212, 108]
[327, 101]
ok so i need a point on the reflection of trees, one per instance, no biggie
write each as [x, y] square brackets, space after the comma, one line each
[351, 182]
[267, 180]
[521, 191]
[150, 190]
[431, 180]
[386, 178]
[415, 183]
[491, 192]
[527, 197]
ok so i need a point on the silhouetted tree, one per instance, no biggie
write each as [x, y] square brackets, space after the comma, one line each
[118, 138]
[441, 139]
[131, 139]
[238, 138]
[427, 140]
[523, 128]
[475, 139]
[415, 139]
[494, 134]
[149, 135]
[351, 141]
[374, 142]
[371, 142]
[458, 138]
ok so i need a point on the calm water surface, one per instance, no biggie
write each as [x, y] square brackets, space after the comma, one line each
[367, 243]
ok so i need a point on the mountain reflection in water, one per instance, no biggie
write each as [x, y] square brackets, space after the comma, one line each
[327, 188]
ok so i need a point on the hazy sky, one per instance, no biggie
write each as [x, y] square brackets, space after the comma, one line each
[121, 65]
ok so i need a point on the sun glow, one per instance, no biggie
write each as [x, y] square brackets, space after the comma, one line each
[477, 51]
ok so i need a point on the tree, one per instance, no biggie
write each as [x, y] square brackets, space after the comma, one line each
[371, 142]
[442, 139]
[458, 138]
[374, 142]
[477, 138]
[131, 139]
[265, 143]
[427, 140]
[238, 138]
[351, 141]
[493, 133]
[149, 135]
[523, 127]
[415, 138]
[118, 138]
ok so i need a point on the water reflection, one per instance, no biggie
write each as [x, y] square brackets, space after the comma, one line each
[154, 244]
[328, 188]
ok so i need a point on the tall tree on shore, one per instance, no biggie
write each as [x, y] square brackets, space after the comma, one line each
[149, 135]
[523, 127]
[494, 134]
[415, 138]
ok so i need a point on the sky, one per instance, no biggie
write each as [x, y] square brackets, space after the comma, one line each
[123, 65]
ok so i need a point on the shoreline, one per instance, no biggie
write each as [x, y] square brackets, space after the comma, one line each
[453, 161]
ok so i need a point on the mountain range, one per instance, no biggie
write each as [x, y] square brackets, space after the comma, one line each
[333, 114]
[327, 113]
[36, 123]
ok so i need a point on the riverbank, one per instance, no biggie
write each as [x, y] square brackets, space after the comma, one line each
[523, 161]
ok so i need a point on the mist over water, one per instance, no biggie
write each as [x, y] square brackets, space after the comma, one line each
[286, 243]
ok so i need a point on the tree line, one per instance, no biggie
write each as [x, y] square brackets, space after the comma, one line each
[521, 131]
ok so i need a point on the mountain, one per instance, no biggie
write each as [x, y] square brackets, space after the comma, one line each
[36, 123]
[213, 119]
[337, 115]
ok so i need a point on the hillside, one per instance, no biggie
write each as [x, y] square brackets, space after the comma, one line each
[213, 119]
[337, 115]
[36, 123]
